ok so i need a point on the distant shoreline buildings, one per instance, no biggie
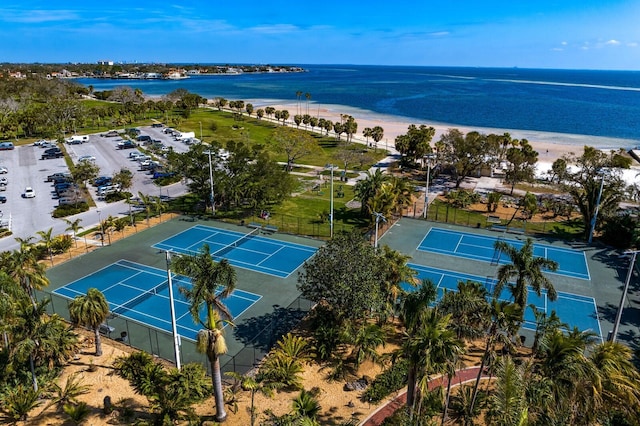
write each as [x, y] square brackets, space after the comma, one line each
[106, 69]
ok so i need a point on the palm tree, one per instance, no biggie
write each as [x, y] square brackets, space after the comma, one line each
[22, 265]
[395, 272]
[469, 309]
[91, 311]
[147, 202]
[28, 330]
[46, 238]
[366, 341]
[527, 271]
[508, 405]
[206, 276]
[428, 350]
[620, 378]
[505, 319]
[74, 226]
[367, 188]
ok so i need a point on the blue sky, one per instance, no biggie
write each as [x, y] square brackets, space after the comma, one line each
[583, 34]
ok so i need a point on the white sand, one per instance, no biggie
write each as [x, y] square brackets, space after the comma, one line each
[557, 144]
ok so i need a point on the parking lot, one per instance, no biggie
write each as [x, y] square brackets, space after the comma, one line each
[27, 169]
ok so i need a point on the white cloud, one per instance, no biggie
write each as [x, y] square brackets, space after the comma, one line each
[275, 29]
[613, 42]
[632, 44]
[439, 33]
[36, 16]
[564, 43]
[558, 49]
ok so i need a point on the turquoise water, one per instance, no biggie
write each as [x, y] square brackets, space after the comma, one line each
[596, 103]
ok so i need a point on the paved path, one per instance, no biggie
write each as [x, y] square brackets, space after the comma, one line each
[377, 417]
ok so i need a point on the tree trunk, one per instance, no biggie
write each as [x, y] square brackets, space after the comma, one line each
[411, 386]
[98, 338]
[216, 378]
[446, 399]
[34, 379]
[482, 364]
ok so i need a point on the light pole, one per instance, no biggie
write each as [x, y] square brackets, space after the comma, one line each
[378, 217]
[213, 204]
[331, 208]
[101, 229]
[623, 298]
[426, 187]
[595, 215]
[174, 326]
[200, 131]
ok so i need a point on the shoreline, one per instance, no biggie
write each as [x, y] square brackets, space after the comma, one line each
[550, 146]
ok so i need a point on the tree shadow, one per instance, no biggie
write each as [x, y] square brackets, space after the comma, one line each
[262, 332]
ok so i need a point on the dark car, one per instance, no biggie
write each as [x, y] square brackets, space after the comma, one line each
[157, 125]
[102, 180]
[143, 138]
[3, 199]
[158, 175]
[50, 150]
[126, 145]
[53, 154]
[59, 175]
[62, 179]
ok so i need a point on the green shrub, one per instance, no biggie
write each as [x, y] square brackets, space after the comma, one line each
[70, 209]
[387, 382]
[116, 196]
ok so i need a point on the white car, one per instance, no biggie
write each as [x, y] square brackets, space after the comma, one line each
[3, 170]
[4, 180]
[87, 158]
[29, 192]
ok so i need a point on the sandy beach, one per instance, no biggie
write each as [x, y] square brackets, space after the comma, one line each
[550, 146]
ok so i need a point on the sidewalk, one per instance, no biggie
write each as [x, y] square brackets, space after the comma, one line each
[462, 376]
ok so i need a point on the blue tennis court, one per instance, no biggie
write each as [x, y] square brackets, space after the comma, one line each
[571, 263]
[141, 293]
[248, 251]
[573, 309]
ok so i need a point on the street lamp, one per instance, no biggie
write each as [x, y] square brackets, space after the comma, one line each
[426, 186]
[595, 215]
[101, 228]
[331, 208]
[213, 204]
[616, 323]
[174, 326]
[378, 217]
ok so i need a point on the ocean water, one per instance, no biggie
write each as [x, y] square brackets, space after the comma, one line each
[576, 102]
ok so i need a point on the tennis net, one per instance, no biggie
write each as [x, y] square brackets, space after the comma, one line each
[226, 249]
[140, 298]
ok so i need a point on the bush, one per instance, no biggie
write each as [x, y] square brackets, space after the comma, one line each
[116, 196]
[387, 382]
[70, 209]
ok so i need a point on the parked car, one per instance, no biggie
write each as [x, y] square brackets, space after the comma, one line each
[3, 199]
[126, 145]
[143, 138]
[158, 175]
[4, 180]
[5, 146]
[3, 187]
[40, 142]
[59, 175]
[90, 158]
[157, 125]
[102, 180]
[3, 170]
[29, 192]
[52, 154]
[47, 144]
[110, 134]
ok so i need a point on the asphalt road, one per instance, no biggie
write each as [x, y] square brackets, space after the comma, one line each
[27, 216]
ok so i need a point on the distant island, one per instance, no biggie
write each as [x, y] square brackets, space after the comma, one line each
[111, 70]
